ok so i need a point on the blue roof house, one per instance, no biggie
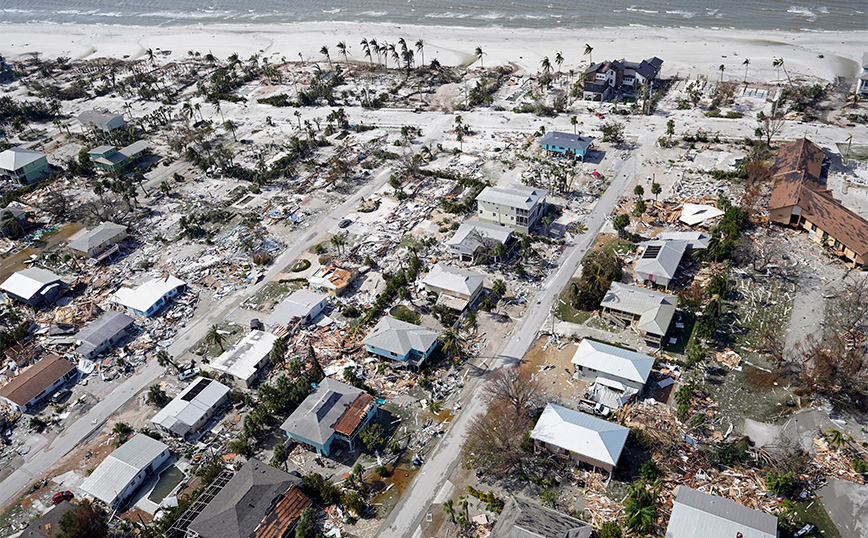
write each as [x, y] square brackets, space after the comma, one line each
[566, 144]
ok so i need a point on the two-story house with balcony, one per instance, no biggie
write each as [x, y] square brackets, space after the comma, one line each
[516, 207]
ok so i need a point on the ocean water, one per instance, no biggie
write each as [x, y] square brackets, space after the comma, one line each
[822, 15]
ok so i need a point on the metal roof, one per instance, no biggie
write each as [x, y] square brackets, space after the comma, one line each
[454, 279]
[582, 434]
[655, 309]
[472, 233]
[519, 196]
[693, 214]
[613, 360]
[28, 282]
[315, 418]
[566, 140]
[242, 360]
[191, 405]
[523, 519]
[104, 328]
[699, 515]
[106, 231]
[148, 294]
[101, 150]
[661, 258]
[400, 337]
[298, 305]
[97, 117]
[244, 503]
[120, 467]
[695, 240]
[15, 158]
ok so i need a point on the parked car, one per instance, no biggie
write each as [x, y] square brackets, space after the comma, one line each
[61, 496]
[597, 175]
[187, 374]
[602, 117]
[344, 223]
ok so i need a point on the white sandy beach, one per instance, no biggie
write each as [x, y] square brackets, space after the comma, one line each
[685, 50]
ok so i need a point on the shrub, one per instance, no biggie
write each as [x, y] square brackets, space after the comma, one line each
[381, 471]
[780, 484]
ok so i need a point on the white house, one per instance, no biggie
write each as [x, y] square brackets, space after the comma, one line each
[246, 360]
[124, 470]
[101, 120]
[148, 298]
[700, 515]
[37, 382]
[24, 165]
[620, 373]
[659, 261]
[192, 408]
[474, 234]
[33, 286]
[584, 438]
[303, 305]
[516, 207]
[456, 288]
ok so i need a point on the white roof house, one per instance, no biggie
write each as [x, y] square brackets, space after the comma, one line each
[101, 119]
[473, 234]
[651, 312]
[24, 165]
[599, 359]
[590, 439]
[517, 196]
[125, 469]
[245, 360]
[518, 207]
[32, 286]
[693, 214]
[457, 287]
[660, 260]
[190, 409]
[149, 297]
[699, 515]
[398, 340]
[695, 240]
[303, 304]
[94, 241]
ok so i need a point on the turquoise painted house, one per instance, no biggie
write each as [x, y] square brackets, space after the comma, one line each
[566, 144]
[401, 341]
[110, 158]
[332, 416]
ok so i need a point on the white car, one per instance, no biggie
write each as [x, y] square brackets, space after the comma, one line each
[187, 374]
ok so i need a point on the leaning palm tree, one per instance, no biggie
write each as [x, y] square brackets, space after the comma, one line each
[420, 48]
[229, 125]
[342, 47]
[375, 47]
[588, 50]
[366, 48]
[559, 60]
[479, 54]
[449, 510]
[777, 63]
[746, 64]
[165, 360]
[325, 52]
[546, 65]
[215, 337]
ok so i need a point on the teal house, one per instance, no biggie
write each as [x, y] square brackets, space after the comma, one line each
[401, 341]
[110, 158]
[566, 144]
[331, 417]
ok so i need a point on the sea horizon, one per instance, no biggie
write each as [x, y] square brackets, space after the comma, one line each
[836, 15]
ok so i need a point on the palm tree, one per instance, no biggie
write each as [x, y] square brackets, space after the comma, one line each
[218, 109]
[280, 454]
[165, 360]
[656, 189]
[836, 438]
[777, 63]
[229, 125]
[366, 48]
[452, 343]
[588, 50]
[10, 224]
[420, 48]
[342, 47]
[462, 503]
[479, 54]
[546, 65]
[559, 60]
[746, 64]
[574, 121]
[449, 510]
[325, 52]
[395, 55]
[150, 54]
[721, 68]
[214, 336]
[376, 48]
[278, 352]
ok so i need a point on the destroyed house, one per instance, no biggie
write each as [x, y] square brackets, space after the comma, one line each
[695, 240]
[33, 286]
[456, 288]
[581, 437]
[800, 198]
[247, 360]
[125, 469]
[659, 261]
[103, 333]
[618, 374]
[568, 145]
[302, 305]
[524, 519]
[472, 236]
[100, 242]
[149, 297]
[699, 515]
[335, 412]
[648, 312]
[519, 208]
[110, 158]
[24, 165]
[260, 501]
[332, 280]
[188, 412]
[48, 524]
[37, 382]
[398, 340]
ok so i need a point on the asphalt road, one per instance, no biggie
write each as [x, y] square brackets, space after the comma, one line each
[406, 518]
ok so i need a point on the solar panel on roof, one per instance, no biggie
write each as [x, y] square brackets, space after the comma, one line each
[196, 389]
[652, 251]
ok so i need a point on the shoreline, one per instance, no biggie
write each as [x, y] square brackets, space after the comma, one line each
[679, 47]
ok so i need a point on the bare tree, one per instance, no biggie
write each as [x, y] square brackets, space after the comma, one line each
[494, 441]
[770, 125]
[515, 387]
[848, 311]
